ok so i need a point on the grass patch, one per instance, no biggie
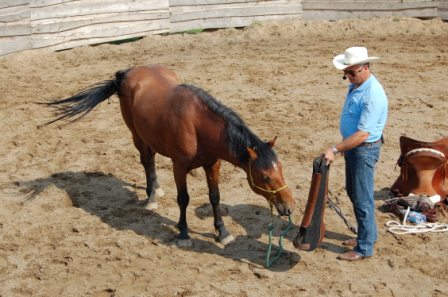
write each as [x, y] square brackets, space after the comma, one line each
[194, 31]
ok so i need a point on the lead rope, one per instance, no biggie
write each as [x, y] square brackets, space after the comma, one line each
[338, 211]
[268, 261]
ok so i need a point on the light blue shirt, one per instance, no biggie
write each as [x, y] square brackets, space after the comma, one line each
[365, 109]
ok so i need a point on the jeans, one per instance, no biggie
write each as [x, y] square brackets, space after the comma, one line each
[359, 181]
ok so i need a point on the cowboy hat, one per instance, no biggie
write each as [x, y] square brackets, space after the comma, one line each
[352, 56]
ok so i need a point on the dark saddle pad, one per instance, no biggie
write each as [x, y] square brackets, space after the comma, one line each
[312, 229]
[423, 168]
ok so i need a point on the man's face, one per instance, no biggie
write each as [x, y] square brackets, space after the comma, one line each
[356, 73]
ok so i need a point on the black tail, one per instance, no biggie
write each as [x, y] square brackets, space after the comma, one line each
[77, 106]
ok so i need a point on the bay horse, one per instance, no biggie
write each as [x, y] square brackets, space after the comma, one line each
[185, 123]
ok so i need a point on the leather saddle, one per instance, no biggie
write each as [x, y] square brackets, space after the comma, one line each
[424, 168]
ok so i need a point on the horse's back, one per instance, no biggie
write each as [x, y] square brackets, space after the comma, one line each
[144, 89]
[155, 78]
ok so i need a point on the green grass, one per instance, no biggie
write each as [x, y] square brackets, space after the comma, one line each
[194, 31]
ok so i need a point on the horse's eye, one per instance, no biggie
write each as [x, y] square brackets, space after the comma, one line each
[266, 179]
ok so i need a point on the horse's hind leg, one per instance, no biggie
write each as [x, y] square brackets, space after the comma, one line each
[153, 189]
[183, 199]
[212, 174]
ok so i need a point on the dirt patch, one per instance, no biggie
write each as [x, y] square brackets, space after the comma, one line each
[69, 221]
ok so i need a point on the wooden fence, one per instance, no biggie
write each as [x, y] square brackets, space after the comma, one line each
[62, 24]
[342, 9]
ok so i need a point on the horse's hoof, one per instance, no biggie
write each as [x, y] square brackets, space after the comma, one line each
[184, 243]
[152, 206]
[227, 239]
[159, 192]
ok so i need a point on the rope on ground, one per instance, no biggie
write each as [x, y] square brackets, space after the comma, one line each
[395, 227]
[268, 261]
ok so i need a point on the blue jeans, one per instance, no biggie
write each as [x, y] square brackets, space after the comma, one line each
[359, 181]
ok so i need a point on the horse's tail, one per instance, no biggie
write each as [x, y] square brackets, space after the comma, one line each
[77, 106]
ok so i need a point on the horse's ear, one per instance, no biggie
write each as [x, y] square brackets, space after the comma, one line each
[253, 155]
[272, 142]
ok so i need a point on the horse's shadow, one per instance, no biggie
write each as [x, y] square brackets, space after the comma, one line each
[116, 203]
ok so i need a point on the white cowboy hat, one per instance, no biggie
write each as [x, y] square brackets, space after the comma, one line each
[352, 56]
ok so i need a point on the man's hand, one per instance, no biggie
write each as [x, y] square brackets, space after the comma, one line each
[329, 156]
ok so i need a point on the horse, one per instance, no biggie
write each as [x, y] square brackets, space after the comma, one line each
[186, 124]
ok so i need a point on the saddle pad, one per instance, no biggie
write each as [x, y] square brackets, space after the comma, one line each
[312, 229]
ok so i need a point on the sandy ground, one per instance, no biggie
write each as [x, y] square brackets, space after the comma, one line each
[69, 221]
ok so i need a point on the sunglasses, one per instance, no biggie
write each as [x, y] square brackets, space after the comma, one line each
[353, 72]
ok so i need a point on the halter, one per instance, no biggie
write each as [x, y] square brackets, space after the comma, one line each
[273, 192]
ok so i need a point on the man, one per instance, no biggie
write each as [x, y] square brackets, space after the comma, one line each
[362, 121]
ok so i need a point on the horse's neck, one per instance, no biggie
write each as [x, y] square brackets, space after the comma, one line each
[226, 155]
[232, 160]
[215, 141]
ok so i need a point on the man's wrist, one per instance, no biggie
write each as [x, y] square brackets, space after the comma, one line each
[334, 149]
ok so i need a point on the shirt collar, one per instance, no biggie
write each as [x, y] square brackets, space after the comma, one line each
[364, 85]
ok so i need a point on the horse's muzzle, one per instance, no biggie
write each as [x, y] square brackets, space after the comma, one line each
[284, 204]
[284, 211]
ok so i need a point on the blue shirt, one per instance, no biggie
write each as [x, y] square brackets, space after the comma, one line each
[365, 109]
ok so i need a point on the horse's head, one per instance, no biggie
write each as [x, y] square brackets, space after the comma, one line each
[267, 180]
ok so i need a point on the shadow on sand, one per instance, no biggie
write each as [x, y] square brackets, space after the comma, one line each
[116, 203]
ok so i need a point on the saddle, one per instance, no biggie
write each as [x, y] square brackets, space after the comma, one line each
[424, 168]
[312, 229]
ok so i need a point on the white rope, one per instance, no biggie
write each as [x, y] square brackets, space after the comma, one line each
[395, 227]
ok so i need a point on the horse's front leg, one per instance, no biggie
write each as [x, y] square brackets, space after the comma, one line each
[183, 199]
[212, 174]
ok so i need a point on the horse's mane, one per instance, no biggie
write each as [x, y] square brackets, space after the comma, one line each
[239, 135]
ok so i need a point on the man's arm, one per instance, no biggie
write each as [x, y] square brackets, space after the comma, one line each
[348, 143]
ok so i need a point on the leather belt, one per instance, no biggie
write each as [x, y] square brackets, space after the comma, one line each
[370, 143]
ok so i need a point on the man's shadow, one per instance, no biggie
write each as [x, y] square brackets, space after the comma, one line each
[115, 202]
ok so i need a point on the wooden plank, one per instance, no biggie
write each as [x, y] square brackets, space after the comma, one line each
[241, 5]
[77, 43]
[235, 12]
[81, 42]
[404, 1]
[442, 10]
[336, 15]
[96, 7]
[367, 6]
[43, 3]
[100, 31]
[362, 2]
[227, 22]
[13, 3]
[14, 44]
[15, 30]
[174, 3]
[14, 13]
[58, 25]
